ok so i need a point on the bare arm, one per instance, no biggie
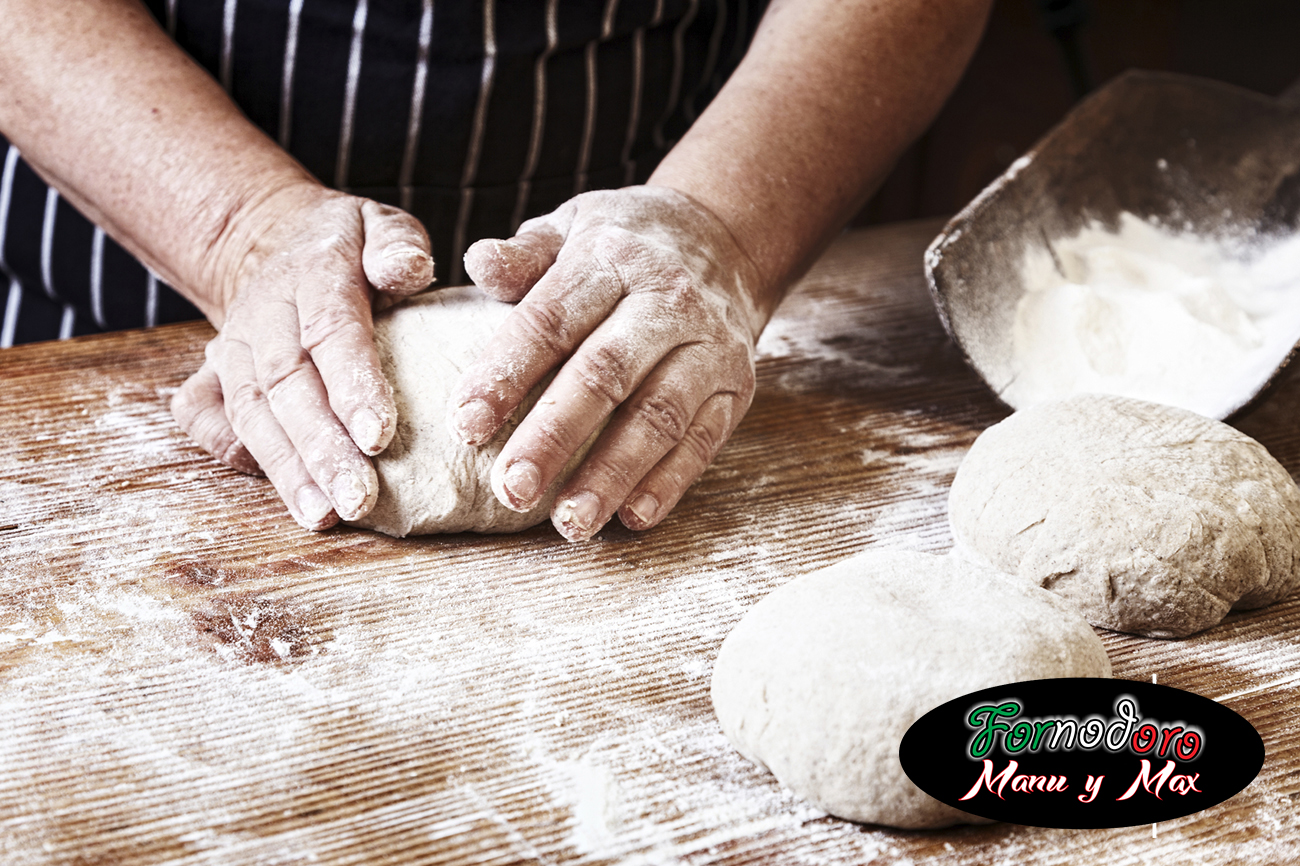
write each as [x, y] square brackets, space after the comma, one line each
[133, 132]
[144, 142]
[828, 97]
[655, 295]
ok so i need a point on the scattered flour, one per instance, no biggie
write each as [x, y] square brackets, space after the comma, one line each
[1183, 319]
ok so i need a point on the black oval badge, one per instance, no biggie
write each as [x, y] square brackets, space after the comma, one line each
[1079, 752]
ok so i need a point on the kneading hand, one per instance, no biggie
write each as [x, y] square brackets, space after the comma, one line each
[291, 385]
[644, 301]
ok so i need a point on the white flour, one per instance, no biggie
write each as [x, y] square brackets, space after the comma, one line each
[1182, 319]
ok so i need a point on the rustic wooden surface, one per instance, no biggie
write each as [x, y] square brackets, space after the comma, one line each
[188, 677]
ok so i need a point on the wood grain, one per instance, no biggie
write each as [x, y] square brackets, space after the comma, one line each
[188, 677]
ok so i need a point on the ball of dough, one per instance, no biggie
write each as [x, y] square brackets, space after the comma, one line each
[1153, 520]
[429, 481]
[820, 680]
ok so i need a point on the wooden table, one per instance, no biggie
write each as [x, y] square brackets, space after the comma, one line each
[188, 677]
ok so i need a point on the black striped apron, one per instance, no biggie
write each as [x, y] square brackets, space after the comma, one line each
[471, 114]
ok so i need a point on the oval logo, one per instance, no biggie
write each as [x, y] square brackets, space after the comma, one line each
[1081, 752]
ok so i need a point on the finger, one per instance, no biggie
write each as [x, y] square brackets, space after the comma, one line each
[294, 390]
[564, 307]
[644, 429]
[396, 257]
[604, 372]
[253, 422]
[654, 497]
[337, 329]
[200, 410]
[507, 270]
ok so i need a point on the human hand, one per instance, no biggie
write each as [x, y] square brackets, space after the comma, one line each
[291, 386]
[644, 301]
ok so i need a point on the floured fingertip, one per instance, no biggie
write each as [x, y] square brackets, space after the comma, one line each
[473, 422]
[486, 260]
[403, 267]
[314, 511]
[371, 432]
[504, 270]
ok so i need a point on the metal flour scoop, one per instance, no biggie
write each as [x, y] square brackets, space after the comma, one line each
[1191, 153]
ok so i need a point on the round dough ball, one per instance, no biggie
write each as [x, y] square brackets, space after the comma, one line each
[820, 680]
[429, 481]
[1153, 520]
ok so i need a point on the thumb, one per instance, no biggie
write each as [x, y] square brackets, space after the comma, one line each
[396, 256]
[506, 270]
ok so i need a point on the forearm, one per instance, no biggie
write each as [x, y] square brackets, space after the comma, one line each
[826, 99]
[140, 138]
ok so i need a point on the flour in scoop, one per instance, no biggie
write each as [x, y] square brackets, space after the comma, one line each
[1182, 319]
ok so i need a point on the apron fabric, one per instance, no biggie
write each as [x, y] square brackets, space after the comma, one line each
[473, 115]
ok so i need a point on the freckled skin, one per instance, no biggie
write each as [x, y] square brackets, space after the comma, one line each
[145, 143]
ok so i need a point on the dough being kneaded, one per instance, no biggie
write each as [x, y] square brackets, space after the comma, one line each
[822, 678]
[429, 481]
[1153, 520]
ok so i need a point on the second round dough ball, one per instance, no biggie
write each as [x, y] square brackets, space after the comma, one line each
[1153, 520]
[822, 678]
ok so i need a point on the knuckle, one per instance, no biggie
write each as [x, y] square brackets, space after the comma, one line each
[553, 440]
[614, 475]
[281, 466]
[219, 440]
[328, 324]
[687, 304]
[710, 429]
[680, 286]
[664, 414]
[681, 298]
[244, 397]
[281, 369]
[543, 325]
[230, 451]
[207, 425]
[703, 443]
[606, 372]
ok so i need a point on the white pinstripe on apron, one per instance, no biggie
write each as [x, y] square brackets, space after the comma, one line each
[417, 103]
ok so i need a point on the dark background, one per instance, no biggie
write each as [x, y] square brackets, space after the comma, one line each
[1020, 82]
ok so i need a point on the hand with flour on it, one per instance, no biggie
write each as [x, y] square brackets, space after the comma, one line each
[291, 386]
[647, 300]
[146, 144]
[647, 306]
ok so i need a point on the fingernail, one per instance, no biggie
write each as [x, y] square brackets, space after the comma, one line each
[368, 432]
[312, 506]
[402, 248]
[349, 495]
[576, 517]
[414, 264]
[523, 483]
[643, 509]
[474, 422]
